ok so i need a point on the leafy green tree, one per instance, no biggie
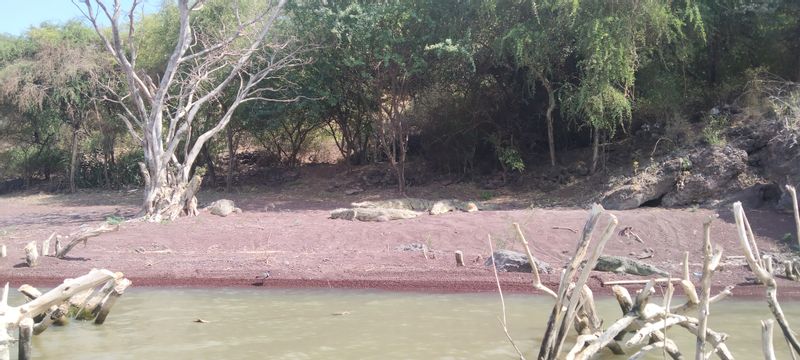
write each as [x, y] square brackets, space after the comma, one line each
[58, 75]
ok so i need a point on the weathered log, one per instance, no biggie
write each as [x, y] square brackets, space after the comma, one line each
[31, 254]
[111, 299]
[82, 236]
[25, 335]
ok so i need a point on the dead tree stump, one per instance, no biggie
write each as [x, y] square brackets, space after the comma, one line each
[459, 258]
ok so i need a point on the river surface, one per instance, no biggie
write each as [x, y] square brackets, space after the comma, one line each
[317, 324]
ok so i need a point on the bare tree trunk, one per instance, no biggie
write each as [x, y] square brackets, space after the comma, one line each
[231, 160]
[551, 106]
[595, 149]
[209, 165]
[73, 163]
[169, 190]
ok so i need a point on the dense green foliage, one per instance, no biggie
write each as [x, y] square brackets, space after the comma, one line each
[466, 86]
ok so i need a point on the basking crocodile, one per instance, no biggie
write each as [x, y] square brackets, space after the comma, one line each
[621, 264]
[434, 207]
[373, 214]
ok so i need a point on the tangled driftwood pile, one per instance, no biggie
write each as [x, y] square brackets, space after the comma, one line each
[76, 298]
[646, 322]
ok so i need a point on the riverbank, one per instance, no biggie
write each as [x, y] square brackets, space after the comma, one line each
[293, 240]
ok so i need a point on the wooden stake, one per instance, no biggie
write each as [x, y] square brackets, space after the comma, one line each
[31, 254]
[460, 258]
[25, 335]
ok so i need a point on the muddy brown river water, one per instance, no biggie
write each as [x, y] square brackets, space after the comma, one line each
[317, 324]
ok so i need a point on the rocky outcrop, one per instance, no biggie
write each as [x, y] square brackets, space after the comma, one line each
[512, 261]
[712, 173]
[223, 207]
[624, 265]
[650, 184]
[697, 178]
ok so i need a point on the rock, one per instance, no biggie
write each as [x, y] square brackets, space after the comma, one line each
[713, 174]
[373, 214]
[649, 184]
[621, 264]
[223, 207]
[512, 261]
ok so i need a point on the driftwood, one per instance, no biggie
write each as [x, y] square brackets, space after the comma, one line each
[81, 236]
[48, 307]
[647, 322]
[503, 321]
[537, 281]
[748, 242]
[46, 245]
[25, 336]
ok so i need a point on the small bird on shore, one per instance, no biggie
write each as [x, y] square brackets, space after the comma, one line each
[264, 276]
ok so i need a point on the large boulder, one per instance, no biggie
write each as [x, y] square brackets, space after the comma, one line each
[650, 184]
[712, 175]
[512, 261]
[223, 207]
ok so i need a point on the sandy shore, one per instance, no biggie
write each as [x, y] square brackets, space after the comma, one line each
[300, 247]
